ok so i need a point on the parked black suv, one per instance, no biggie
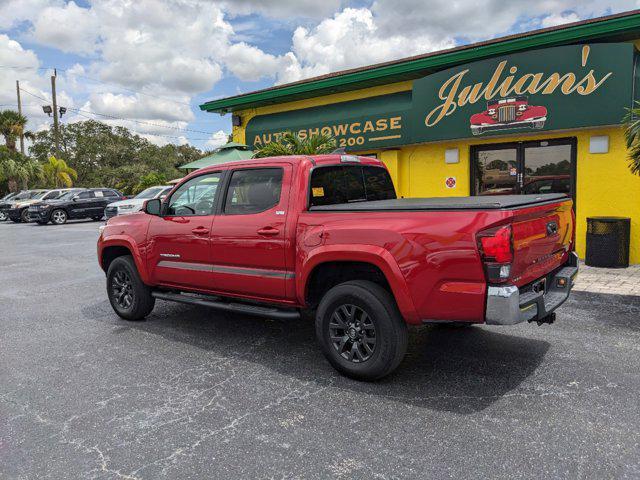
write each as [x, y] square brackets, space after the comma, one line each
[19, 211]
[86, 203]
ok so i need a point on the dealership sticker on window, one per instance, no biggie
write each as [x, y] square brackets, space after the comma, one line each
[318, 191]
[450, 182]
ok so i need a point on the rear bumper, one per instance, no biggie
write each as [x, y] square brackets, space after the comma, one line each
[508, 304]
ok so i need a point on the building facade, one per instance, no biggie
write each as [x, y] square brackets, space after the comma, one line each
[533, 113]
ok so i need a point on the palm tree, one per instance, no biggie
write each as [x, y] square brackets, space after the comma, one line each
[58, 174]
[291, 144]
[12, 126]
[16, 169]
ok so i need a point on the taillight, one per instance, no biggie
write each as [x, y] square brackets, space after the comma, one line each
[496, 250]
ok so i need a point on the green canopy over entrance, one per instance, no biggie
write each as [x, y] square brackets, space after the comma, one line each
[230, 152]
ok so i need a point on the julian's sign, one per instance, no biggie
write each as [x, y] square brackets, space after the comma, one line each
[555, 88]
[552, 89]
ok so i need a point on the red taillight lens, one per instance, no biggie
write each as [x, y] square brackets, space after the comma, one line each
[496, 245]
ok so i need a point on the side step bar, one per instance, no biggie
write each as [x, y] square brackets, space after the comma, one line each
[257, 310]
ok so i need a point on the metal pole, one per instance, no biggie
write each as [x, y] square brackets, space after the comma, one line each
[55, 113]
[20, 113]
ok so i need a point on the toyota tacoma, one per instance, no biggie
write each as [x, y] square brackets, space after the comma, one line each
[275, 237]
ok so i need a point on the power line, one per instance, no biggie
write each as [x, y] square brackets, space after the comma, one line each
[113, 117]
[99, 81]
[152, 134]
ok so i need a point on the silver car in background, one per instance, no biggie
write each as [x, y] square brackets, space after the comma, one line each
[135, 204]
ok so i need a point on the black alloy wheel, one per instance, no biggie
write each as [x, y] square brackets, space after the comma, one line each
[360, 330]
[122, 289]
[24, 216]
[130, 298]
[352, 333]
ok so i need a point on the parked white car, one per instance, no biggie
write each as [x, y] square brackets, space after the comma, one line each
[133, 205]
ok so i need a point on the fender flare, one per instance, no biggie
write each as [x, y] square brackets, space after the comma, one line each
[131, 245]
[372, 254]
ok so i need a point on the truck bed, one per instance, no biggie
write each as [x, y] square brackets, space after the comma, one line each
[493, 202]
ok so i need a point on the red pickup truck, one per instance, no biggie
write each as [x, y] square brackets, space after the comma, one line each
[276, 236]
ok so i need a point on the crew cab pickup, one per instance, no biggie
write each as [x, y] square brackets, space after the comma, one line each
[278, 236]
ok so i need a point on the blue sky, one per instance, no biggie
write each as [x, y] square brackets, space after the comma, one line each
[148, 64]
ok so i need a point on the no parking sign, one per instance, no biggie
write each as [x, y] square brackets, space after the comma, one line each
[450, 182]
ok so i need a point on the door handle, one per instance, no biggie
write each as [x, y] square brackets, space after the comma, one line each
[200, 231]
[269, 231]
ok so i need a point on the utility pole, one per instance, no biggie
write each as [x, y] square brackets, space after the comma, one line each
[20, 113]
[56, 135]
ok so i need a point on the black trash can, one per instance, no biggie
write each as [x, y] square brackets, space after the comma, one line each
[608, 242]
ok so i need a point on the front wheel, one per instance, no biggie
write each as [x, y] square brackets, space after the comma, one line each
[130, 298]
[360, 330]
[24, 216]
[59, 217]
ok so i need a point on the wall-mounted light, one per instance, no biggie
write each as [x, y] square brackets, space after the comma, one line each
[236, 120]
[599, 144]
[451, 155]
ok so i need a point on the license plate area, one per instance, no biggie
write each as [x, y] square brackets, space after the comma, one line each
[539, 286]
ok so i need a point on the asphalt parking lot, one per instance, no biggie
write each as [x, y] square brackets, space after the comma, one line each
[193, 393]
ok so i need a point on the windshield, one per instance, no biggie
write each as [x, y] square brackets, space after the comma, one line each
[22, 196]
[39, 195]
[8, 196]
[150, 192]
[68, 195]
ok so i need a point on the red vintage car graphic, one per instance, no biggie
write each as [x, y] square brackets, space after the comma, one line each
[508, 113]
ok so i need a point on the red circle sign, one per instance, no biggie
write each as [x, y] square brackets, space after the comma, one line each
[450, 182]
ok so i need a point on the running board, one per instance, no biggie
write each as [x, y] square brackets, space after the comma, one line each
[257, 310]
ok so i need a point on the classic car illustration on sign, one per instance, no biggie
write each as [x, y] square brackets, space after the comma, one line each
[508, 113]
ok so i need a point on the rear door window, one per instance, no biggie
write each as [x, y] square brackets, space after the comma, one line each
[253, 190]
[86, 195]
[350, 183]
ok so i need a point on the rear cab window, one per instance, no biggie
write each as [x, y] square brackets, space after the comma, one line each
[336, 184]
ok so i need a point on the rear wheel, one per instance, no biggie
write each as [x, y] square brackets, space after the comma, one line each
[130, 298]
[24, 216]
[360, 330]
[59, 217]
[3, 216]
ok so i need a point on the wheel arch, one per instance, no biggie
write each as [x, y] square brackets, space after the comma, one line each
[328, 266]
[120, 247]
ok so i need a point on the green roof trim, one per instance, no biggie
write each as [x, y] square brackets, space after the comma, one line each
[613, 27]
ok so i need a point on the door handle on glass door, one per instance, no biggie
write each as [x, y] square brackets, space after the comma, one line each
[270, 231]
[200, 231]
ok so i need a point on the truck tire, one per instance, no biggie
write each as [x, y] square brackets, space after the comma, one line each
[360, 330]
[130, 298]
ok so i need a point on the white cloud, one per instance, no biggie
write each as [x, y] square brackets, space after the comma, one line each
[284, 9]
[217, 139]
[69, 28]
[559, 19]
[14, 12]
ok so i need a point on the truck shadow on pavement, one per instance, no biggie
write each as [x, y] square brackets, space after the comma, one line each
[446, 369]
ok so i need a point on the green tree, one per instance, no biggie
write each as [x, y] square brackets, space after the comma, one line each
[57, 174]
[17, 169]
[12, 126]
[292, 144]
[631, 124]
[108, 156]
[150, 180]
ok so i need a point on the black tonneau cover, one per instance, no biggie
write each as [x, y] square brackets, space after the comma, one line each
[489, 202]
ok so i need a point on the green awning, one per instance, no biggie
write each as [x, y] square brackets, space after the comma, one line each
[230, 152]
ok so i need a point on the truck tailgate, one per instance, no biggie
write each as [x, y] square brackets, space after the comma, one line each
[542, 239]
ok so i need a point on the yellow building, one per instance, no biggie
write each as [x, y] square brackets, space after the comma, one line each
[532, 113]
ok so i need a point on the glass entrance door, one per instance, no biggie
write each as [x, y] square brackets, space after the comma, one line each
[533, 167]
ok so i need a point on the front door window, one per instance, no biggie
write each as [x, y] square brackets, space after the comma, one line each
[533, 167]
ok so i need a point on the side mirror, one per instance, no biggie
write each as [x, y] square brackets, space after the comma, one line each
[153, 206]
